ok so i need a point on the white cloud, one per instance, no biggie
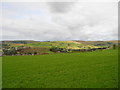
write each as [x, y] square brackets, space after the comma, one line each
[66, 21]
[59, 0]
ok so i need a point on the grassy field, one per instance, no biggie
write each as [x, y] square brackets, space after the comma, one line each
[0, 72]
[61, 44]
[97, 69]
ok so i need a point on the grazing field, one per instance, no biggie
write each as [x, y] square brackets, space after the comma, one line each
[98, 69]
[0, 72]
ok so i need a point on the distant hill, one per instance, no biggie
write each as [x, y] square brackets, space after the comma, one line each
[75, 44]
[20, 41]
[28, 47]
[99, 43]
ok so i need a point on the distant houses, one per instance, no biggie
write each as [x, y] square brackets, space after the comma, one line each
[29, 48]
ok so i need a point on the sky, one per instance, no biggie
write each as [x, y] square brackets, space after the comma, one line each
[41, 21]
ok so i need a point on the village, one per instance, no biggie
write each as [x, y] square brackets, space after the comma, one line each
[8, 49]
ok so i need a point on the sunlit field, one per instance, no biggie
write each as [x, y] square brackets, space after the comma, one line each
[98, 69]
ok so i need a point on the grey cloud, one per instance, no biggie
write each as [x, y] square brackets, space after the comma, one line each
[7, 37]
[60, 7]
[62, 21]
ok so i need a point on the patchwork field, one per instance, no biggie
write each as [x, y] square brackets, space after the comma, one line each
[98, 69]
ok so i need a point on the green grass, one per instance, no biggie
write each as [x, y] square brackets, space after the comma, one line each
[60, 44]
[66, 70]
[0, 72]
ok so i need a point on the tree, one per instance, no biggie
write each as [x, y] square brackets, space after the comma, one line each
[54, 49]
[114, 46]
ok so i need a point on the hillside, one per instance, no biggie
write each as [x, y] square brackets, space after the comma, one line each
[68, 44]
[47, 47]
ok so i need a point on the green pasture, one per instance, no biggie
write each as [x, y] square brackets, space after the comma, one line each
[98, 69]
[0, 72]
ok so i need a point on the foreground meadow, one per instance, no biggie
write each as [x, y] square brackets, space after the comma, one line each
[96, 69]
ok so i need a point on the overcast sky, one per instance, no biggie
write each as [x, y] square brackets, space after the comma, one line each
[59, 21]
